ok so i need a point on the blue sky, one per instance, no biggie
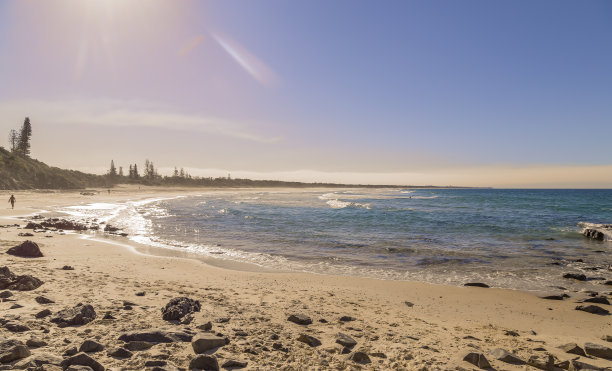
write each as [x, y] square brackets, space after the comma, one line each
[394, 91]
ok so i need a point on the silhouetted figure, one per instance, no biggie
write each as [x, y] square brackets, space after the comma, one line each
[12, 201]
[109, 191]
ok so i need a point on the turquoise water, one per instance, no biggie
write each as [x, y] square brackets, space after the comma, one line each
[507, 238]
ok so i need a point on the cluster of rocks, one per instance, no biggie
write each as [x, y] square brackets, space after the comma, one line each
[10, 281]
[41, 224]
[598, 233]
[545, 361]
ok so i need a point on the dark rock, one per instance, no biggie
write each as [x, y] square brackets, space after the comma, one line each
[379, 355]
[511, 333]
[312, 341]
[300, 319]
[505, 356]
[110, 228]
[67, 268]
[222, 320]
[108, 315]
[597, 299]
[64, 224]
[89, 346]
[575, 365]
[594, 309]
[16, 306]
[27, 249]
[16, 327]
[155, 336]
[120, 353]
[32, 225]
[322, 320]
[240, 333]
[232, 363]
[79, 315]
[347, 319]
[203, 342]
[553, 297]
[11, 350]
[594, 234]
[477, 284]
[575, 276]
[179, 307]
[204, 362]
[597, 350]
[82, 359]
[279, 346]
[543, 362]
[26, 234]
[345, 340]
[155, 363]
[25, 283]
[409, 304]
[607, 338]
[477, 359]
[360, 357]
[137, 345]
[140, 293]
[43, 300]
[346, 350]
[5, 294]
[205, 327]
[69, 352]
[572, 348]
[35, 343]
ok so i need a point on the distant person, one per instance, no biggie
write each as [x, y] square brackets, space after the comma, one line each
[12, 201]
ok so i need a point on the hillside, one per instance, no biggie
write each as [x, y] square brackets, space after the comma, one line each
[18, 172]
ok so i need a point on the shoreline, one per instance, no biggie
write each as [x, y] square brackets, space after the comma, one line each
[434, 332]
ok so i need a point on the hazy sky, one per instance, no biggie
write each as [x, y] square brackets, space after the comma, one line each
[500, 93]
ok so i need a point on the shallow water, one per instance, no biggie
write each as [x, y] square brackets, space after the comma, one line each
[506, 238]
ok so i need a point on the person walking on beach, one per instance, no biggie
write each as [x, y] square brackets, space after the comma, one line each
[12, 201]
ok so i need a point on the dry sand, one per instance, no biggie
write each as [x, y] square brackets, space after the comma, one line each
[400, 325]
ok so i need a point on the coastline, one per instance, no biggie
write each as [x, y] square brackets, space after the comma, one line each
[435, 332]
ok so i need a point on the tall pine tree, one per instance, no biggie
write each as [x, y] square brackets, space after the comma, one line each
[23, 144]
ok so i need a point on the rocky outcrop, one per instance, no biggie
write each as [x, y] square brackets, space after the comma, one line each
[179, 307]
[77, 316]
[594, 234]
[64, 224]
[10, 281]
[27, 249]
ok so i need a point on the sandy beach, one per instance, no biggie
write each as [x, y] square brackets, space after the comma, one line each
[396, 325]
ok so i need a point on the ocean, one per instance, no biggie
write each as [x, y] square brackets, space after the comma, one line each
[518, 239]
